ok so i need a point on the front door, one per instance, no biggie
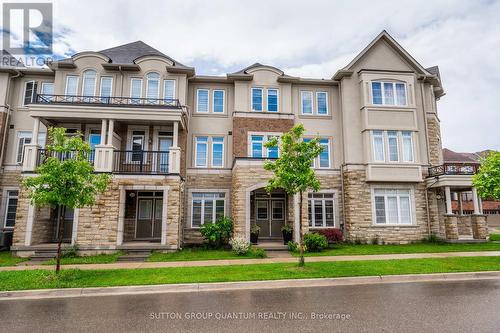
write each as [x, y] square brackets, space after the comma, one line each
[270, 217]
[149, 216]
[66, 229]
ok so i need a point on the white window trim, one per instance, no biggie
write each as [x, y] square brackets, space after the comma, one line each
[45, 84]
[77, 83]
[412, 206]
[24, 91]
[83, 81]
[329, 155]
[190, 203]
[223, 101]
[309, 92]
[165, 88]
[385, 147]
[386, 142]
[196, 151]
[132, 85]
[335, 210]
[147, 85]
[198, 100]
[266, 136]
[251, 99]
[100, 85]
[212, 151]
[403, 147]
[5, 201]
[327, 103]
[382, 89]
[277, 100]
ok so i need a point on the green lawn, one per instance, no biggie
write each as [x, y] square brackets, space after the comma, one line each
[363, 249]
[7, 259]
[495, 237]
[96, 259]
[72, 278]
[194, 253]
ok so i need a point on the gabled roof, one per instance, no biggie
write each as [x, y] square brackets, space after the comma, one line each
[256, 65]
[384, 35]
[452, 156]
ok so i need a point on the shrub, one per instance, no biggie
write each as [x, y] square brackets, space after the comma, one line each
[70, 252]
[432, 239]
[293, 247]
[259, 253]
[239, 245]
[315, 242]
[217, 234]
[333, 235]
[254, 229]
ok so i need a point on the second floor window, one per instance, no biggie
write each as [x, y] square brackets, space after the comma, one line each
[323, 160]
[257, 149]
[257, 100]
[322, 102]
[106, 87]
[272, 100]
[153, 87]
[47, 90]
[135, 91]
[71, 85]
[218, 101]
[23, 139]
[168, 90]
[306, 102]
[309, 106]
[392, 146]
[89, 82]
[29, 92]
[206, 146]
[201, 151]
[202, 100]
[217, 152]
[388, 93]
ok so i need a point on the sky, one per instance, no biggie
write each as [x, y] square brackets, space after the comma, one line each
[312, 39]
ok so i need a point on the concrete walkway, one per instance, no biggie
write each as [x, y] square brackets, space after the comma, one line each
[132, 265]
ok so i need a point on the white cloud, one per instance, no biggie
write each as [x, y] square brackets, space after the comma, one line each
[314, 39]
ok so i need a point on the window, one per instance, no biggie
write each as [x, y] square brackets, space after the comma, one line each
[47, 89]
[168, 90]
[23, 139]
[71, 85]
[257, 99]
[388, 93]
[324, 156]
[30, 92]
[321, 210]
[201, 152]
[153, 88]
[392, 141]
[138, 140]
[322, 102]
[89, 82]
[407, 146]
[207, 208]
[218, 101]
[218, 152]
[10, 209]
[202, 100]
[257, 149]
[306, 98]
[135, 91]
[392, 206]
[106, 88]
[395, 143]
[272, 100]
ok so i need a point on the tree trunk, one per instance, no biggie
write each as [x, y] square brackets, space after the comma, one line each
[60, 218]
[301, 236]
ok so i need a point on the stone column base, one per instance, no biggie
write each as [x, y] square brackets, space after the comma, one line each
[479, 226]
[451, 226]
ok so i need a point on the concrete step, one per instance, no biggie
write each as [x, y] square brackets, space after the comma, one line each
[135, 255]
[272, 246]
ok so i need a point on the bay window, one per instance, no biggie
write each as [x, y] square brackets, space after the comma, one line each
[407, 146]
[392, 206]
[388, 93]
[392, 146]
[392, 142]
[207, 207]
[321, 210]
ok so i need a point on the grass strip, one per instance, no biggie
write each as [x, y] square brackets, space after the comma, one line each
[73, 278]
[95, 259]
[7, 259]
[190, 254]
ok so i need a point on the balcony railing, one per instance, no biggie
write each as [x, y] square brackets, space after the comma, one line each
[108, 101]
[453, 169]
[140, 162]
[44, 154]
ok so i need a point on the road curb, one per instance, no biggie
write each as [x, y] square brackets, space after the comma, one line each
[244, 285]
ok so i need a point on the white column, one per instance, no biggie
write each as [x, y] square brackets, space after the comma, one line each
[447, 193]
[74, 233]
[36, 130]
[103, 131]
[475, 200]
[164, 216]
[110, 131]
[460, 203]
[176, 134]
[29, 225]
[121, 217]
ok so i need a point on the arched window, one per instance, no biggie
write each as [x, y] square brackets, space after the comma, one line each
[153, 87]
[89, 82]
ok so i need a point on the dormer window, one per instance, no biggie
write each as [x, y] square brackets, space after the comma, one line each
[388, 93]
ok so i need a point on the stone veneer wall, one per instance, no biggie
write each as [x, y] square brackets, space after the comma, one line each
[434, 133]
[358, 213]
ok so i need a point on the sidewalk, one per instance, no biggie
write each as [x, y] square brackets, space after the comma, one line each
[132, 265]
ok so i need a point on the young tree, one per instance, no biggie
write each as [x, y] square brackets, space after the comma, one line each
[487, 180]
[292, 170]
[65, 179]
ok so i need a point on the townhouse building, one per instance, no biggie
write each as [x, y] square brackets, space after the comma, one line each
[184, 149]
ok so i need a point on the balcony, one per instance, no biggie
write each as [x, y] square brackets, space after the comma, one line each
[466, 169]
[141, 162]
[44, 154]
[108, 101]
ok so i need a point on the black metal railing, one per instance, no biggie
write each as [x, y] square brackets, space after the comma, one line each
[44, 154]
[107, 101]
[453, 169]
[140, 162]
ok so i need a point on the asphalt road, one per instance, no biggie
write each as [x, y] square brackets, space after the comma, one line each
[471, 306]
